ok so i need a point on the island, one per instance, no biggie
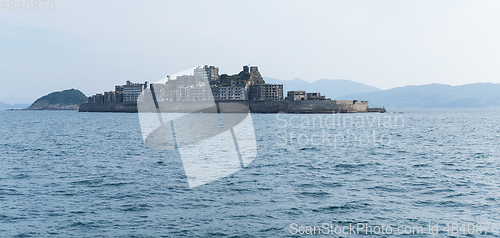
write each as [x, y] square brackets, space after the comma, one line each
[204, 90]
[70, 99]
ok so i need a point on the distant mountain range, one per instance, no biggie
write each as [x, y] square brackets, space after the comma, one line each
[331, 88]
[478, 95]
[15, 100]
[7, 106]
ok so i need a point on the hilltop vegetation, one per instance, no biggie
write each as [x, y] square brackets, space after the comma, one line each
[63, 100]
[225, 80]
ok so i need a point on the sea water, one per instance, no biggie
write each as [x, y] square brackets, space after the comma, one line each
[71, 174]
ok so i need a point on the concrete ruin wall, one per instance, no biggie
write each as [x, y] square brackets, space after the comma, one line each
[255, 106]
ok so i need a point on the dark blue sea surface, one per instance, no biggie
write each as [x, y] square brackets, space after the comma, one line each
[71, 174]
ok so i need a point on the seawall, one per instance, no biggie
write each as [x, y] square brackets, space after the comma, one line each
[306, 106]
[108, 107]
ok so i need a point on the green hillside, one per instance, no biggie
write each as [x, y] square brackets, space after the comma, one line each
[63, 100]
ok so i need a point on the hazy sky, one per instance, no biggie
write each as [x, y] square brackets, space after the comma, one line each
[94, 45]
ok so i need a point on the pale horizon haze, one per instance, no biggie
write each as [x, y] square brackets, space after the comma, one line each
[95, 45]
